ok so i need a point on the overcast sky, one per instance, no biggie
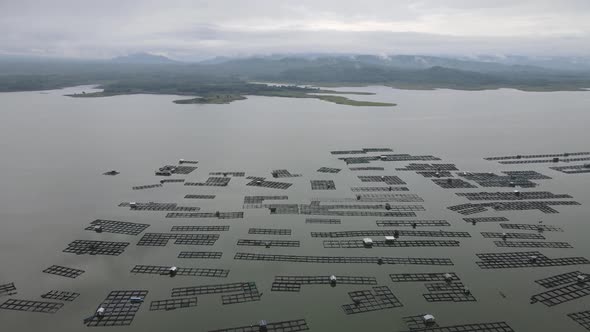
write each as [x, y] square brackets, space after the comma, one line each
[195, 29]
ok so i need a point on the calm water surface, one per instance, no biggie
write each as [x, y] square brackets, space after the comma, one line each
[53, 150]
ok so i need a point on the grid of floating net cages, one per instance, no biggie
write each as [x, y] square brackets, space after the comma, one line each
[378, 201]
[343, 259]
[7, 289]
[117, 227]
[179, 271]
[91, 247]
[63, 271]
[200, 254]
[60, 295]
[284, 326]
[31, 306]
[172, 304]
[119, 308]
[377, 298]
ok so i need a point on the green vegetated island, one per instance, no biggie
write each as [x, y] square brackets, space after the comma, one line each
[225, 80]
[226, 92]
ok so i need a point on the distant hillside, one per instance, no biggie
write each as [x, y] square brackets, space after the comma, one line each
[148, 72]
[143, 58]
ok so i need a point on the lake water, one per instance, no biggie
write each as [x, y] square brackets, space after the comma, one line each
[54, 150]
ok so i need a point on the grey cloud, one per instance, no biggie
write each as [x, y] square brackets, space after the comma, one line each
[195, 29]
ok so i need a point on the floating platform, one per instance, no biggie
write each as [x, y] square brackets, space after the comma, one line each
[542, 206]
[428, 167]
[418, 323]
[182, 271]
[154, 206]
[387, 179]
[63, 271]
[417, 277]
[239, 292]
[521, 259]
[561, 279]
[214, 289]
[218, 215]
[378, 298]
[147, 186]
[444, 286]
[435, 174]
[531, 244]
[535, 156]
[450, 296]
[343, 259]
[119, 309]
[270, 231]
[573, 169]
[31, 306]
[7, 289]
[261, 182]
[369, 168]
[562, 294]
[200, 254]
[171, 181]
[211, 182]
[323, 185]
[236, 174]
[60, 295]
[267, 243]
[485, 219]
[493, 180]
[374, 198]
[256, 201]
[401, 233]
[185, 169]
[533, 227]
[90, 247]
[477, 327]
[373, 189]
[240, 298]
[161, 239]
[544, 161]
[322, 221]
[283, 173]
[511, 196]
[336, 210]
[363, 151]
[451, 183]
[117, 227]
[345, 210]
[294, 283]
[582, 318]
[284, 326]
[496, 235]
[329, 170]
[168, 170]
[173, 304]
[530, 175]
[387, 157]
[182, 161]
[348, 244]
[199, 196]
[411, 223]
[191, 228]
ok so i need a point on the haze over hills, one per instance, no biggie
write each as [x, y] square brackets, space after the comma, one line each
[143, 58]
[232, 76]
[477, 63]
